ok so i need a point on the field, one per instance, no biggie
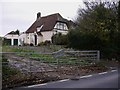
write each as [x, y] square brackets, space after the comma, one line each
[32, 65]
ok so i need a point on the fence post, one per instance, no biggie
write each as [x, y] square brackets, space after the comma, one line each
[57, 54]
[98, 55]
[57, 63]
[30, 69]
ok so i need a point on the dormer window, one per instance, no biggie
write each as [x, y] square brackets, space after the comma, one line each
[61, 26]
[39, 28]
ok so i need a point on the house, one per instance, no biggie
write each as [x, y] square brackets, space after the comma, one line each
[12, 38]
[45, 27]
[41, 30]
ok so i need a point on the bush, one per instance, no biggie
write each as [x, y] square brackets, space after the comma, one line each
[59, 39]
[6, 70]
[40, 44]
[4, 60]
[31, 44]
[25, 44]
[5, 41]
[81, 41]
[47, 42]
[90, 41]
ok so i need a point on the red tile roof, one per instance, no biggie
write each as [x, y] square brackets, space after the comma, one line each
[48, 23]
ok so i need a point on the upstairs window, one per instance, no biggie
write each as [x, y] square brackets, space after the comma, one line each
[39, 28]
[61, 26]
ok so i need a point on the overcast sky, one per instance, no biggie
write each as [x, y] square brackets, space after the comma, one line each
[20, 14]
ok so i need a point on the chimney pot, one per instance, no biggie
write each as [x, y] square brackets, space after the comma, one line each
[38, 15]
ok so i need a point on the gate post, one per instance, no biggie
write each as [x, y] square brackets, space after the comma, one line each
[98, 55]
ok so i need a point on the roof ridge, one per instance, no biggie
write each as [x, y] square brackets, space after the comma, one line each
[50, 15]
[49, 22]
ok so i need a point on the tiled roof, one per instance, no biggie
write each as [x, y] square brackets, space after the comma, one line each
[48, 23]
[13, 33]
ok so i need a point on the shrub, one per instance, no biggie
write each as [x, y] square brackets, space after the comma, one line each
[31, 44]
[78, 40]
[5, 42]
[59, 39]
[41, 44]
[4, 60]
[7, 71]
[47, 42]
[25, 44]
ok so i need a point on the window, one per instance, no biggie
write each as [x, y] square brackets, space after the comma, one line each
[60, 26]
[39, 28]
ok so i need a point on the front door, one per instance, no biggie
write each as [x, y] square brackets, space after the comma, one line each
[35, 39]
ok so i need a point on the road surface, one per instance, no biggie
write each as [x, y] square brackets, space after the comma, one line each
[101, 80]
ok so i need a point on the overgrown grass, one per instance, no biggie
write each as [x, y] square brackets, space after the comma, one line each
[61, 60]
[56, 47]
[15, 49]
[26, 52]
[7, 71]
[21, 50]
[27, 48]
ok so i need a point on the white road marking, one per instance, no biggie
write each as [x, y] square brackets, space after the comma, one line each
[103, 73]
[113, 70]
[46, 83]
[38, 85]
[63, 80]
[86, 76]
[68, 79]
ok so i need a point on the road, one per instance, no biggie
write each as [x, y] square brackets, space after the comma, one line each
[101, 80]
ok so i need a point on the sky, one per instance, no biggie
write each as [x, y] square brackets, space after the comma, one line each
[20, 14]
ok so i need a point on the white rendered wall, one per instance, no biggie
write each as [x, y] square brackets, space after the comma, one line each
[47, 35]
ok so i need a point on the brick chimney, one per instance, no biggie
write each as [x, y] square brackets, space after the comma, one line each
[38, 15]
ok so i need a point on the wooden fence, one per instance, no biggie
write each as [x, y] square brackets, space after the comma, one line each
[86, 54]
